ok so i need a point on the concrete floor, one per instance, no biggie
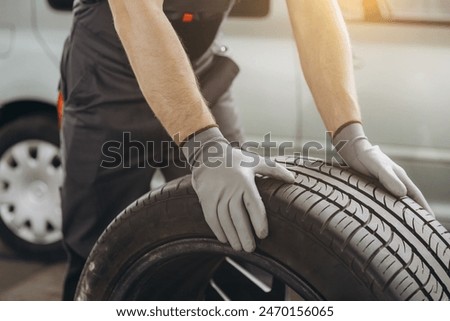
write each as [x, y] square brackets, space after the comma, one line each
[22, 280]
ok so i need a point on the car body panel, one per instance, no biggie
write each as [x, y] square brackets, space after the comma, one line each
[52, 27]
[32, 73]
[6, 39]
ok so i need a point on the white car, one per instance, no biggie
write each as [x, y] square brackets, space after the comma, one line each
[401, 51]
[31, 39]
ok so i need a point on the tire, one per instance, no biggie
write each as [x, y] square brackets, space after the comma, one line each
[30, 177]
[332, 235]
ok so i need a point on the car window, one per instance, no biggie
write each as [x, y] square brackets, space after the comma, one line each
[413, 11]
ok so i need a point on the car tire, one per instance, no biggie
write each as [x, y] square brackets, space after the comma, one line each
[30, 177]
[333, 235]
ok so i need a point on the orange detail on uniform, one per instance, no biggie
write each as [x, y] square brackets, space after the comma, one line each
[188, 17]
[60, 108]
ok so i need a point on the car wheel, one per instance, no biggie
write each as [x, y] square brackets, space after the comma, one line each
[30, 177]
[333, 235]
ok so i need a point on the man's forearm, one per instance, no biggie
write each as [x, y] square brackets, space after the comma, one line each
[161, 66]
[325, 53]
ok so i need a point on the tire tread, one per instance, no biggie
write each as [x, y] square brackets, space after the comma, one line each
[404, 270]
[392, 246]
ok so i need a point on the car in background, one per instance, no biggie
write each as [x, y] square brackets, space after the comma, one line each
[401, 51]
[31, 39]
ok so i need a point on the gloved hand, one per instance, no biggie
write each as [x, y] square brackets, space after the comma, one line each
[369, 160]
[224, 180]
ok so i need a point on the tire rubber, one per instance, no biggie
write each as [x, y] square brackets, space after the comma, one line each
[342, 234]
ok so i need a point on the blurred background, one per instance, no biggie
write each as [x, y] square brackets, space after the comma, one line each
[401, 52]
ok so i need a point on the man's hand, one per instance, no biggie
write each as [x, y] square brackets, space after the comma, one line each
[369, 160]
[224, 179]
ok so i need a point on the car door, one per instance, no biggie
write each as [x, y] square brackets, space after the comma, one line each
[52, 19]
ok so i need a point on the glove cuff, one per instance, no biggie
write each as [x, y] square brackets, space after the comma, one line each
[348, 132]
[337, 131]
[350, 141]
[194, 145]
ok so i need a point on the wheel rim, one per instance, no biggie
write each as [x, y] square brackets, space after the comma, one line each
[30, 177]
[203, 269]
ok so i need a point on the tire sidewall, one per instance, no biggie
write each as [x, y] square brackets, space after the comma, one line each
[181, 218]
[344, 236]
[40, 126]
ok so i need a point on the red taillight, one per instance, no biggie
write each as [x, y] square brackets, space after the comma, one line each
[60, 108]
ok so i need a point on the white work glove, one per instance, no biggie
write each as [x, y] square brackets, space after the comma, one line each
[369, 160]
[224, 180]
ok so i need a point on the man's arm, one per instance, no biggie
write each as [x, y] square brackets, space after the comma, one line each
[324, 48]
[228, 195]
[161, 66]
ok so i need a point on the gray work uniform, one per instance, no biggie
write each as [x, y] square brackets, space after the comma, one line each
[103, 103]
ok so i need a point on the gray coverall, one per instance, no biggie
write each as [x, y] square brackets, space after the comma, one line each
[103, 103]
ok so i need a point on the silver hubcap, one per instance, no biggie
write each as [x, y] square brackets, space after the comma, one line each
[30, 177]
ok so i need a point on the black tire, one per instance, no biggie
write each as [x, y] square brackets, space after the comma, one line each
[35, 132]
[333, 236]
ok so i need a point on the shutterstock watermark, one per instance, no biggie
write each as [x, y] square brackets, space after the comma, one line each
[128, 153]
